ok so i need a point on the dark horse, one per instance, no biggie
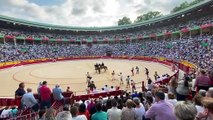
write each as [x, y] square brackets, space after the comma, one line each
[99, 67]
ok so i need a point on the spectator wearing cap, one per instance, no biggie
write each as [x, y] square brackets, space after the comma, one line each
[45, 95]
[114, 113]
[29, 100]
[202, 81]
[161, 110]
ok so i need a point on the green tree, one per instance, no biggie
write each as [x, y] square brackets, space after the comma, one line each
[124, 21]
[148, 16]
[185, 5]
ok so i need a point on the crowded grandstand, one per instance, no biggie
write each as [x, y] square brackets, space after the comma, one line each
[180, 38]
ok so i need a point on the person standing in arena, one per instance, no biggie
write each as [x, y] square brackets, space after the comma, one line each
[147, 72]
[113, 75]
[137, 69]
[132, 71]
[128, 82]
[133, 86]
[121, 79]
[156, 76]
[92, 86]
[45, 95]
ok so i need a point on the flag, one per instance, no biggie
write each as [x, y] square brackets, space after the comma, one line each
[184, 30]
[206, 26]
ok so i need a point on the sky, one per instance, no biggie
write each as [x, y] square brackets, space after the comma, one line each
[84, 13]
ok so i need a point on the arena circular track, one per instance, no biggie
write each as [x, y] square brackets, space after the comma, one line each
[73, 73]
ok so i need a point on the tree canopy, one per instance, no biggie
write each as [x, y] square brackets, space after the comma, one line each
[185, 5]
[153, 14]
[148, 16]
[124, 21]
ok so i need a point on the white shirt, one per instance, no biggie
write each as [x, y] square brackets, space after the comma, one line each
[5, 113]
[29, 100]
[199, 108]
[64, 115]
[114, 113]
[139, 112]
[79, 117]
[172, 101]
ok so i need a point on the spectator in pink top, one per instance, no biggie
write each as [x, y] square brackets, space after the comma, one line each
[161, 110]
[202, 81]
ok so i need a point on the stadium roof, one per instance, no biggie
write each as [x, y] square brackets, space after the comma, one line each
[75, 28]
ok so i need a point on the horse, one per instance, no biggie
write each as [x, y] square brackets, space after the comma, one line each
[99, 67]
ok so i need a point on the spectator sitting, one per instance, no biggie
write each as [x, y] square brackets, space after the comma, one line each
[64, 115]
[172, 99]
[45, 96]
[112, 88]
[139, 109]
[185, 111]
[99, 114]
[49, 114]
[161, 110]
[95, 90]
[128, 113]
[197, 101]
[6, 112]
[20, 91]
[106, 89]
[29, 100]
[114, 113]
[209, 93]
[14, 111]
[57, 93]
[75, 116]
[207, 114]
[202, 92]
[84, 111]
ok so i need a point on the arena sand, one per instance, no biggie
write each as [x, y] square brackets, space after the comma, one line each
[73, 74]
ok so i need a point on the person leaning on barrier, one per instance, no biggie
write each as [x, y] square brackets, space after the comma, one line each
[29, 100]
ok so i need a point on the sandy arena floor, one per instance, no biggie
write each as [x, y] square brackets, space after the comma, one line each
[73, 74]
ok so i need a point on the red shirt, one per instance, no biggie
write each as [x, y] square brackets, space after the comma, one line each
[45, 93]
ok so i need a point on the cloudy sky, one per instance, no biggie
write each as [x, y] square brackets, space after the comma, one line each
[83, 12]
